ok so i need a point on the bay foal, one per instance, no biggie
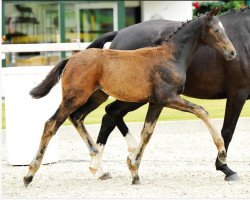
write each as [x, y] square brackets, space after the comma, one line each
[156, 75]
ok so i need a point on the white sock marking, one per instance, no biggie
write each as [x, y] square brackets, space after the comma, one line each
[131, 142]
[96, 160]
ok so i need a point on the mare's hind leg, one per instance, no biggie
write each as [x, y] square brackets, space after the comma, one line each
[134, 159]
[234, 106]
[115, 112]
[183, 105]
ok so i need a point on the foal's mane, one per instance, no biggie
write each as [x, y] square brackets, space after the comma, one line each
[179, 27]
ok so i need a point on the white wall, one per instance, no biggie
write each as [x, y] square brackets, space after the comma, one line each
[170, 10]
[25, 117]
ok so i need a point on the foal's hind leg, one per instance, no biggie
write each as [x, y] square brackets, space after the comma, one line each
[50, 128]
[77, 118]
[69, 104]
[134, 159]
[114, 117]
[181, 104]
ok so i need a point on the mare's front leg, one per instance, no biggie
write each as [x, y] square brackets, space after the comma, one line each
[178, 103]
[235, 102]
[134, 159]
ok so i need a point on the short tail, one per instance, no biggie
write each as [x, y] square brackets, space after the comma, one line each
[51, 80]
[107, 37]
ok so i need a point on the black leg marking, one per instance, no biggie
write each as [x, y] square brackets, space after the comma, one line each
[235, 103]
[27, 180]
[136, 180]
[114, 117]
[118, 109]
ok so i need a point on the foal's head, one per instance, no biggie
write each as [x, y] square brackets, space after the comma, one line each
[214, 35]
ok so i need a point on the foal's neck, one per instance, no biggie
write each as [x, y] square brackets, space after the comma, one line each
[186, 41]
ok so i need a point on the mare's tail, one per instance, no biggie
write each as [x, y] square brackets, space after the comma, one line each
[107, 37]
[51, 79]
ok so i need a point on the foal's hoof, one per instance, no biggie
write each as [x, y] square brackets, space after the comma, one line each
[136, 180]
[105, 176]
[222, 154]
[93, 152]
[27, 180]
[233, 177]
[92, 170]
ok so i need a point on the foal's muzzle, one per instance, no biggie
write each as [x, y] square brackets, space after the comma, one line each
[230, 55]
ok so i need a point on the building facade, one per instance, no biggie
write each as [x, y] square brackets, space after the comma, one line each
[46, 21]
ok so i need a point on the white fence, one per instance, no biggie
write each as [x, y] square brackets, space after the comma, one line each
[15, 48]
[25, 117]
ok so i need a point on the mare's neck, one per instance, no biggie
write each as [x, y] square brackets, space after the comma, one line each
[186, 41]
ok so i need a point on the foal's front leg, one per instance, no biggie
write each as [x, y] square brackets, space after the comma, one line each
[183, 105]
[134, 159]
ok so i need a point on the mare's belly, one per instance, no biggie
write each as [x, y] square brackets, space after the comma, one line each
[204, 89]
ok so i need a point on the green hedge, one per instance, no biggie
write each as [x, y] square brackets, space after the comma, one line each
[202, 7]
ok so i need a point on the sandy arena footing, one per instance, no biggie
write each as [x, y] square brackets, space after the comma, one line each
[178, 162]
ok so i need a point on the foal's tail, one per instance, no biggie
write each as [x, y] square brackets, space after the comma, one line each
[51, 79]
[107, 37]
[54, 75]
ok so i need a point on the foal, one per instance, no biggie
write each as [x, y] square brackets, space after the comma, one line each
[156, 75]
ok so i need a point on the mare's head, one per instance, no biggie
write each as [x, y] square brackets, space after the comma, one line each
[214, 35]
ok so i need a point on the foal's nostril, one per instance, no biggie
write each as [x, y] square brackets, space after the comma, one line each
[232, 53]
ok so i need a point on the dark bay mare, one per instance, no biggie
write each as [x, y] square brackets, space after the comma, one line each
[209, 76]
[156, 75]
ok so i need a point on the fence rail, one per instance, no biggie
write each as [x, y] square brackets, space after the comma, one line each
[14, 48]
[43, 47]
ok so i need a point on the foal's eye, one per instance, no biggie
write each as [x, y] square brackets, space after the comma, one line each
[216, 30]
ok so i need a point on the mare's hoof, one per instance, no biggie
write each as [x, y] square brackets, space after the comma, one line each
[27, 180]
[233, 177]
[92, 170]
[136, 180]
[105, 176]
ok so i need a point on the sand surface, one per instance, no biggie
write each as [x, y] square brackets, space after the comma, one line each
[175, 164]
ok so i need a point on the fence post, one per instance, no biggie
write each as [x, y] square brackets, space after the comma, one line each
[62, 25]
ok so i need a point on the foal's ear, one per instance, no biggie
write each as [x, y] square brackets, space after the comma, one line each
[214, 12]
